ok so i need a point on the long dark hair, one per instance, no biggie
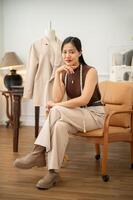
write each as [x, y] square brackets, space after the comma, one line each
[77, 43]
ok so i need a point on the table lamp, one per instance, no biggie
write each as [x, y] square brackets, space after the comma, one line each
[11, 61]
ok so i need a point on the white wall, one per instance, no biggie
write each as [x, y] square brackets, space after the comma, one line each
[1, 50]
[101, 25]
[1, 29]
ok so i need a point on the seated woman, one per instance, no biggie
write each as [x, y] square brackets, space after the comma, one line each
[83, 111]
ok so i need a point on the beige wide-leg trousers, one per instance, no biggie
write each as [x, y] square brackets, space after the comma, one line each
[61, 121]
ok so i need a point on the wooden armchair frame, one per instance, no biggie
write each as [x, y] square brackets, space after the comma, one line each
[106, 136]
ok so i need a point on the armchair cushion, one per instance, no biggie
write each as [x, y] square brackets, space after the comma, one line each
[117, 96]
[99, 132]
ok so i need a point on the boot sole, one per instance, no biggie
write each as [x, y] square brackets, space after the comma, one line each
[29, 167]
[52, 184]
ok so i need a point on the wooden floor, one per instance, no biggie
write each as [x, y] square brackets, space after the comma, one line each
[80, 178]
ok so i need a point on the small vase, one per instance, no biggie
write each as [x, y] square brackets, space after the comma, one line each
[12, 79]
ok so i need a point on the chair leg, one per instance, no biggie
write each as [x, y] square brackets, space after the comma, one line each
[131, 146]
[105, 177]
[97, 148]
[37, 110]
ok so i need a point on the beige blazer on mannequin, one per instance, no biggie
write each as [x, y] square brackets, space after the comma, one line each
[42, 63]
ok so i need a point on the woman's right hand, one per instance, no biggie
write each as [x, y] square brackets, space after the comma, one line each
[66, 68]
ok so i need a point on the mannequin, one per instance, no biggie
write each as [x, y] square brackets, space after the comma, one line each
[50, 34]
[55, 49]
[53, 41]
[44, 58]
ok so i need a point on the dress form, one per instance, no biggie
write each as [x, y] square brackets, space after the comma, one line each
[50, 34]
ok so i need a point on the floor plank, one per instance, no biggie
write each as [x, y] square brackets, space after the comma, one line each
[80, 177]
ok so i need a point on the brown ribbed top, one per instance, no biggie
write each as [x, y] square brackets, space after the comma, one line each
[73, 89]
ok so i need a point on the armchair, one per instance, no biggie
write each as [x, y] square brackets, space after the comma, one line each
[118, 124]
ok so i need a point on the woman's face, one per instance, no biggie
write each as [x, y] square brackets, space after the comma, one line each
[70, 55]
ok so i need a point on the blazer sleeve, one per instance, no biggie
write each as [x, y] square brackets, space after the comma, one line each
[31, 72]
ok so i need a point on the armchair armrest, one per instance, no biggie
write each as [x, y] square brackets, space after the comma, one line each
[109, 116]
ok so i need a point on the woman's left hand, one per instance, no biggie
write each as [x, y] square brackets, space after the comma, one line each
[49, 105]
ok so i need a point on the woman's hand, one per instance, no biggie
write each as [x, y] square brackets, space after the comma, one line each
[68, 69]
[49, 105]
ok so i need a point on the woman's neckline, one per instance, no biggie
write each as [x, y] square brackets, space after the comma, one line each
[77, 68]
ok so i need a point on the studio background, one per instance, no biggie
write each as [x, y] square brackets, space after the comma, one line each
[103, 26]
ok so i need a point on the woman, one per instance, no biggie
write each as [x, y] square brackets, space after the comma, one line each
[83, 111]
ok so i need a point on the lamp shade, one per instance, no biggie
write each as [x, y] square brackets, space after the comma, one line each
[10, 59]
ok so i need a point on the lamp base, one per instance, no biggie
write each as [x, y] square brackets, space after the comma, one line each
[12, 79]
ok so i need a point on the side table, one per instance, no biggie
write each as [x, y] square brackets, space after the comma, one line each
[13, 98]
[13, 101]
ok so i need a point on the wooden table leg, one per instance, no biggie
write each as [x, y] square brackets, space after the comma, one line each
[37, 112]
[17, 93]
[16, 122]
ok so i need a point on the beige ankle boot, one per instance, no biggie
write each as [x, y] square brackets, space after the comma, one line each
[35, 158]
[48, 181]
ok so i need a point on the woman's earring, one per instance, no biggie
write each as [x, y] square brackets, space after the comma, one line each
[80, 54]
